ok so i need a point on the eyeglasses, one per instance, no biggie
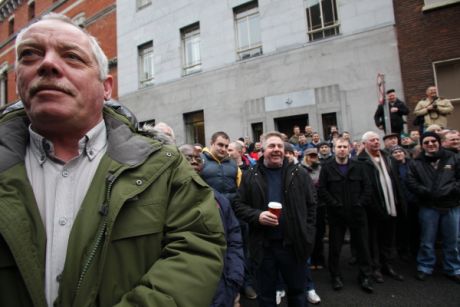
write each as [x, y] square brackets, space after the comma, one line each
[430, 141]
[190, 158]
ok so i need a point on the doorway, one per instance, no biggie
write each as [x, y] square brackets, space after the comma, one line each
[286, 124]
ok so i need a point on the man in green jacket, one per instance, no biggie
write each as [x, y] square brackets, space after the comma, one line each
[91, 213]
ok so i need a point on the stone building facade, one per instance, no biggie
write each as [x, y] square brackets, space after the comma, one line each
[251, 66]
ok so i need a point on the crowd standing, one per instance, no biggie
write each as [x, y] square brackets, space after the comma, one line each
[95, 212]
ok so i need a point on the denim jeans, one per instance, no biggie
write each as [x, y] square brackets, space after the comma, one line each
[447, 220]
[278, 258]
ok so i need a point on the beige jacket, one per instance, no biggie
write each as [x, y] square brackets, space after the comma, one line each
[437, 115]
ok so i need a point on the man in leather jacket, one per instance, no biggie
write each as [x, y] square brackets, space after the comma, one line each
[278, 244]
[434, 177]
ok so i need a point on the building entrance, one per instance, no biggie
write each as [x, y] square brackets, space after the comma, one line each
[285, 124]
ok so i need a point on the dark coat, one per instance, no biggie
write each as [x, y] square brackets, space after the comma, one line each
[233, 273]
[396, 118]
[438, 188]
[376, 207]
[345, 196]
[299, 209]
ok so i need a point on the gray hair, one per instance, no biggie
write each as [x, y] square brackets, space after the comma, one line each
[366, 136]
[237, 145]
[99, 55]
[157, 133]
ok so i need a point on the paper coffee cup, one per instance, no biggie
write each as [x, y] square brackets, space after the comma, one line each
[275, 208]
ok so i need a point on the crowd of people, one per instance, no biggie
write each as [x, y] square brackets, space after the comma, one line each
[390, 194]
[95, 212]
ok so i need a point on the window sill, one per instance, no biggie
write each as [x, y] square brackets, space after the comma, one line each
[439, 4]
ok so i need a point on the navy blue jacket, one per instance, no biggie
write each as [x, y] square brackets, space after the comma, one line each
[220, 175]
[233, 274]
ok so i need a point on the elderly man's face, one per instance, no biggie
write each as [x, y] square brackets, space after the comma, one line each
[58, 78]
[391, 141]
[233, 151]
[372, 144]
[452, 140]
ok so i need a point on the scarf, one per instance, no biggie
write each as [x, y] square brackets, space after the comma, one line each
[385, 183]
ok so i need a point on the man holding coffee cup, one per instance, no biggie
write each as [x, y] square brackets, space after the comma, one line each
[278, 244]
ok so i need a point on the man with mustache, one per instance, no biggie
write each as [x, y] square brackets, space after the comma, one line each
[278, 244]
[92, 213]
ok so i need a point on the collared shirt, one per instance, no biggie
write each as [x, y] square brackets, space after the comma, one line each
[59, 190]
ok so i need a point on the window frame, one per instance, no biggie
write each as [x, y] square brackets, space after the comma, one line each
[324, 28]
[189, 33]
[31, 10]
[143, 50]
[247, 11]
[194, 127]
[435, 74]
[434, 4]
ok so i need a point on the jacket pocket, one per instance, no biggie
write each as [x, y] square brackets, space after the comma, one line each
[138, 220]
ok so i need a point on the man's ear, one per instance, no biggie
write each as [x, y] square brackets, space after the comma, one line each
[108, 85]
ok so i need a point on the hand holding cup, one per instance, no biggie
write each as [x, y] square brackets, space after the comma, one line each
[275, 208]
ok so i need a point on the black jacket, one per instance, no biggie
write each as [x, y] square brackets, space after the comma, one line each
[376, 206]
[345, 196]
[438, 188]
[396, 118]
[299, 208]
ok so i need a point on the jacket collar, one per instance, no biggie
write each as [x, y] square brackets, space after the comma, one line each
[124, 146]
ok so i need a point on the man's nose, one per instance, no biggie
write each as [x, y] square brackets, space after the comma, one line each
[50, 65]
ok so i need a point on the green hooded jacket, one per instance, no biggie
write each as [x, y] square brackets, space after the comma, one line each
[148, 232]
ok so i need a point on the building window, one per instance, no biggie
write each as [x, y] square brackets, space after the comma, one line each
[247, 21]
[143, 3]
[191, 46]
[194, 127]
[31, 12]
[146, 72]
[322, 19]
[447, 76]
[3, 84]
[11, 26]
[434, 4]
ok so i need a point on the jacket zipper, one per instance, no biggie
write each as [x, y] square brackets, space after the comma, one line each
[104, 210]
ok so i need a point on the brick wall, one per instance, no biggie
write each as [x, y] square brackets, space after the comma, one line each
[424, 38]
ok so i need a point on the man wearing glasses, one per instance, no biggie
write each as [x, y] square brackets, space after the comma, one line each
[434, 178]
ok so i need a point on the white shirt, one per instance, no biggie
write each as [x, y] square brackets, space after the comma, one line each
[59, 190]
